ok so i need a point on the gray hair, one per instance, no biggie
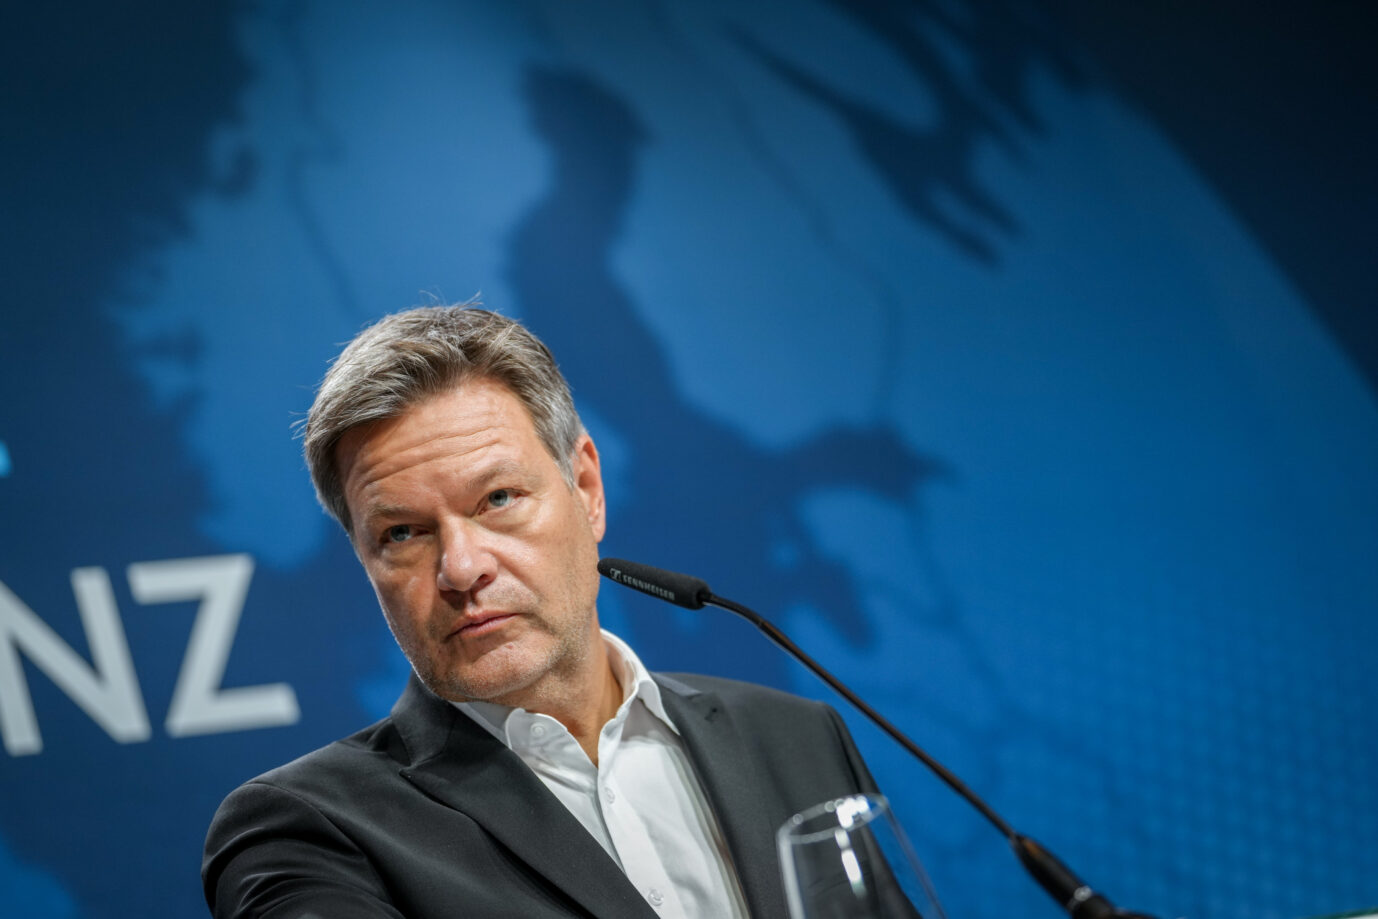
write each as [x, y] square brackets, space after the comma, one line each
[409, 356]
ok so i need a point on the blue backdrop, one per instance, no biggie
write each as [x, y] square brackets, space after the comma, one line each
[1017, 356]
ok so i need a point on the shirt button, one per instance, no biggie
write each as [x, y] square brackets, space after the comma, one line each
[612, 797]
[655, 896]
[538, 731]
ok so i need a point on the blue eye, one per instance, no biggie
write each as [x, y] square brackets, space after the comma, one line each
[500, 498]
[400, 533]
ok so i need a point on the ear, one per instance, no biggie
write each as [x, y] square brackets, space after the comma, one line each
[588, 484]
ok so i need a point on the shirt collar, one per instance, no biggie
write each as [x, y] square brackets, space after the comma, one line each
[635, 679]
[631, 675]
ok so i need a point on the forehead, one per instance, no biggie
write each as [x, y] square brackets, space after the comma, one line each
[461, 424]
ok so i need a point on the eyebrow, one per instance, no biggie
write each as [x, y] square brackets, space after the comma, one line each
[480, 482]
[501, 469]
[380, 511]
[366, 523]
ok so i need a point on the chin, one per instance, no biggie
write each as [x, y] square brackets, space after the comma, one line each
[479, 686]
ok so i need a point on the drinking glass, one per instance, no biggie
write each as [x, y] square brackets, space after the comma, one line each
[849, 859]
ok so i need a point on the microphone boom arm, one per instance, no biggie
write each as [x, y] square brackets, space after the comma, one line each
[1071, 893]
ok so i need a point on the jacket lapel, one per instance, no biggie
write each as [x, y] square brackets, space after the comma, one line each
[743, 800]
[459, 764]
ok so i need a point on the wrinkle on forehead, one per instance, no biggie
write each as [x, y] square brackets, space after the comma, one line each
[375, 460]
[434, 428]
[460, 424]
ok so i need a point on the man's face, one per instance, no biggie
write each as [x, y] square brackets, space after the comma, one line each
[483, 558]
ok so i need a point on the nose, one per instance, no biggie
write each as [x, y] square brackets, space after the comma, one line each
[466, 563]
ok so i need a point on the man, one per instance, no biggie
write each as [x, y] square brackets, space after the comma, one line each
[532, 768]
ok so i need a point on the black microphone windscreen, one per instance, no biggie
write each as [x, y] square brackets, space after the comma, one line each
[679, 589]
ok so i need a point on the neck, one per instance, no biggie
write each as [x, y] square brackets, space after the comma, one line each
[582, 701]
[588, 728]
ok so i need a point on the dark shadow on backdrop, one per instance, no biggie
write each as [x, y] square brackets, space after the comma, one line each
[702, 498]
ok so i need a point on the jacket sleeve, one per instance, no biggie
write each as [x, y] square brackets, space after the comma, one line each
[272, 855]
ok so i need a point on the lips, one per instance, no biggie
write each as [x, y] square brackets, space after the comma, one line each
[482, 624]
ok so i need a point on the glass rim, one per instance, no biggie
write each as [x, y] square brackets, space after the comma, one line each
[856, 811]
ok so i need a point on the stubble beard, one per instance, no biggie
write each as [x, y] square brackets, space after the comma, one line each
[520, 672]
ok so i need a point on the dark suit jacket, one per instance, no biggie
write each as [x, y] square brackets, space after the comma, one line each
[425, 814]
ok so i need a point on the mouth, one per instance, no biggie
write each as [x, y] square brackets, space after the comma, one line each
[478, 626]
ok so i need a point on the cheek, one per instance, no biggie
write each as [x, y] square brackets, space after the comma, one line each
[521, 555]
[411, 593]
[401, 595]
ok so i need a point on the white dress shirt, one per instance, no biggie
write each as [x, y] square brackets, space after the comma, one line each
[642, 802]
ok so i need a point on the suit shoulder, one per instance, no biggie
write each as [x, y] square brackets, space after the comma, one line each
[741, 691]
[376, 748]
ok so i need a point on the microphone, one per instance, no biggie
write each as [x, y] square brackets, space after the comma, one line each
[679, 589]
[1071, 893]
